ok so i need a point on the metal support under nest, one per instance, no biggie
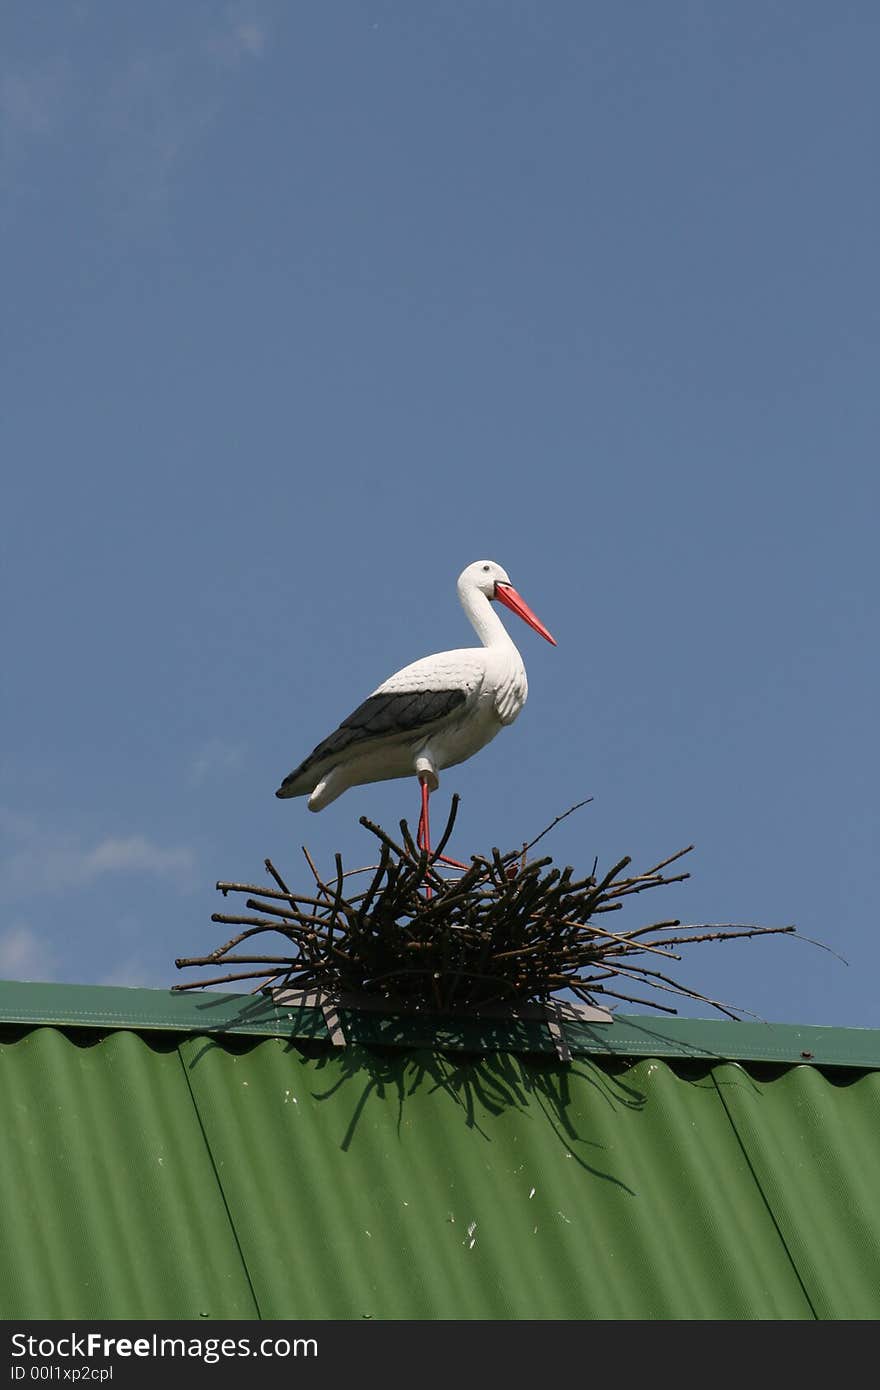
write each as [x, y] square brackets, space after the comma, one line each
[554, 1012]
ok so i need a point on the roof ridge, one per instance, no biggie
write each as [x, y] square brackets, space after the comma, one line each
[629, 1035]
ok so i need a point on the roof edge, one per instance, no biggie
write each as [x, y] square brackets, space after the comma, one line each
[105, 1007]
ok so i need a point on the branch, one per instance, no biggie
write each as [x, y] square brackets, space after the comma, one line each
[546, 831]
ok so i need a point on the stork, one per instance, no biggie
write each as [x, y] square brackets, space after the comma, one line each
[433, 713]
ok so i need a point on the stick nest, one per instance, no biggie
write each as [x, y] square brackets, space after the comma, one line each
[507, 930]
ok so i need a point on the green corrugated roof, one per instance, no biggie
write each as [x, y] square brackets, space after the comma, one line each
[147, 1010]
[168, 1156]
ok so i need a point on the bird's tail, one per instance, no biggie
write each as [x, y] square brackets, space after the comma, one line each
[320, 790]
[327, 790]
[296, 783]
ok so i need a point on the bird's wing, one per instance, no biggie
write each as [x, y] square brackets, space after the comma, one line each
[462, 670]
[416, 698]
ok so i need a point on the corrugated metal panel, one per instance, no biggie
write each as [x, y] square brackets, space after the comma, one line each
[389, 1186]
[109, 1205]
[151, 1176]
[814, 1144]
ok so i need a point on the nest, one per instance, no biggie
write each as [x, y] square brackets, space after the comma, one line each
[508, 930]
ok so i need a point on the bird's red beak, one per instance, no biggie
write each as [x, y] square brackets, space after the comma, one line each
[506, 594]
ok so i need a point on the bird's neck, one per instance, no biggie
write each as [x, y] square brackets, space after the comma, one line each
[484, 620]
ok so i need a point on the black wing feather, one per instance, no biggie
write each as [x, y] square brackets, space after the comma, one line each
[381, 716]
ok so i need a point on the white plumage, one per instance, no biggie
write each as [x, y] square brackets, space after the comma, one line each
[433, 713]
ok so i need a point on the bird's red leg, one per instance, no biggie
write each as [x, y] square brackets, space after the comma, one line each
[423, 838]
[453, 863]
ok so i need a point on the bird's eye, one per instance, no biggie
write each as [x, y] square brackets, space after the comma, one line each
[486, 568]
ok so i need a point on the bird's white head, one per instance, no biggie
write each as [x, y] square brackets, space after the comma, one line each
[483, 575]
[489, 579]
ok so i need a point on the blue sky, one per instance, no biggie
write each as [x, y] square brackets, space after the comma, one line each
[307, 306]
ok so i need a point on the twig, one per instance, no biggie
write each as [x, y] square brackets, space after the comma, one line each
[323, 887]
[546, 831]
[223, 980]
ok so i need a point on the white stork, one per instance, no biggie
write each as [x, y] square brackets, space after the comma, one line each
[432, 714]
